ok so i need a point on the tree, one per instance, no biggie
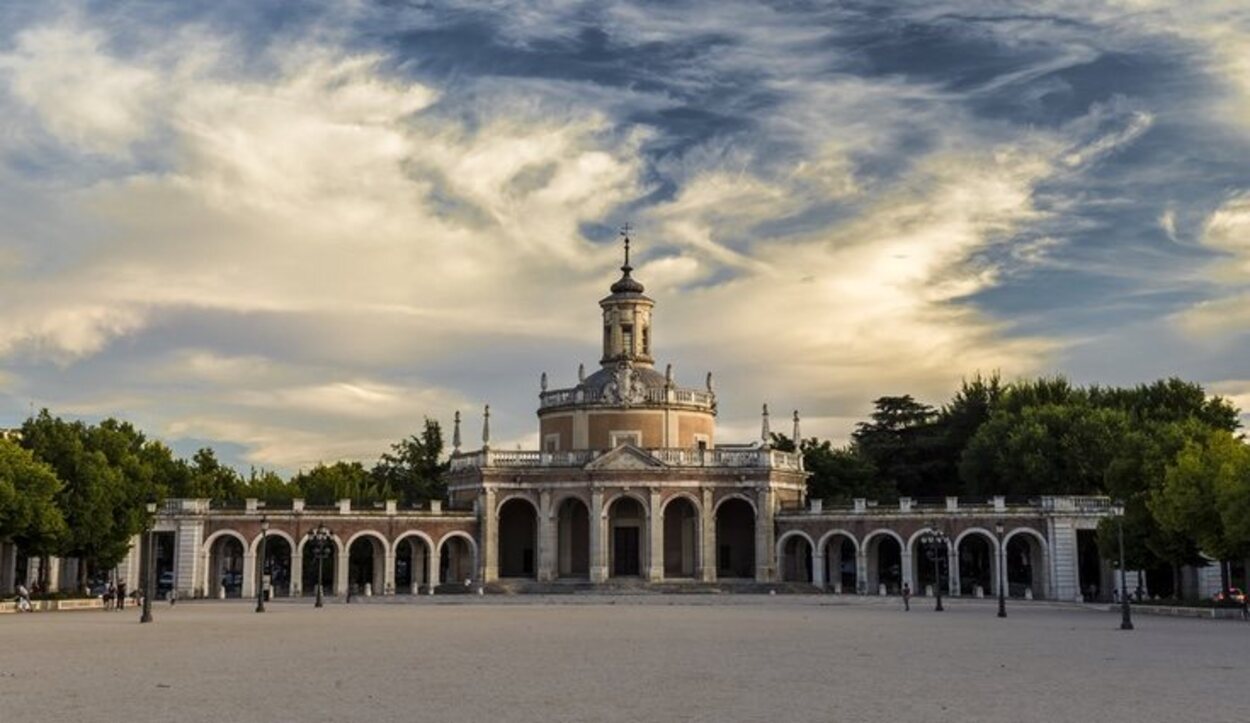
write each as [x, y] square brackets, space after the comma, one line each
[267, 486]
[900, 442]
[1202, 492]
[412, 469]
[29, 515]
[211, 479]
[326, 484]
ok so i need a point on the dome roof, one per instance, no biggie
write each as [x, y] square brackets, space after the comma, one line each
[646, 376]
[627, 284]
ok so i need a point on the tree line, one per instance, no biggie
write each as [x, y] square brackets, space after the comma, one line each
[1167, 450]
[74, 489]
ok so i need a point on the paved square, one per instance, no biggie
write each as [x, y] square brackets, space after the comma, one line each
[644, 658]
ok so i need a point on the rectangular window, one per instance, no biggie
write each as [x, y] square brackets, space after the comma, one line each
[615, 439]
[551, 443]
[627, 338]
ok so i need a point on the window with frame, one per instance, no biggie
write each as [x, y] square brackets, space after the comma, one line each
[634, 437]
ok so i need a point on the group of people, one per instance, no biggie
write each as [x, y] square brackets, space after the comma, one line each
[115, 596]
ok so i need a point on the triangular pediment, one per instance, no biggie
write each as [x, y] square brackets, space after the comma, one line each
[625, 456]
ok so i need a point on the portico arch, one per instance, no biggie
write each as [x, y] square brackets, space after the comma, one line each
[224, 564]
[681, 536]
[413, 552]
[517, 551]
[976, 562]
[458, 557]
[1027, 563]
[279, 556]
[735, 537]
[572, 537]
[628, 522]
[923, 572]
[883, 552]
[326, 569]
[794, 556]
[367, 553]
[840, 559]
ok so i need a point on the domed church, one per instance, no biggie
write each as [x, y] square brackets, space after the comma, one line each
[629, 481]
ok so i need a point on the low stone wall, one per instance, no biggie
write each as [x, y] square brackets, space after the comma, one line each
[95, 603]
[1184, 612]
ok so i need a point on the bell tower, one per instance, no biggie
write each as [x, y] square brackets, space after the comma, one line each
[627, 320]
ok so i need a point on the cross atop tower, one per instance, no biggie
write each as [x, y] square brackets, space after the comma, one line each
[625, 229]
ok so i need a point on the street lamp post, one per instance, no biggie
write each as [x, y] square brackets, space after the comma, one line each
[260, 566]
[1002, 571]
[934, 540]
[149, 577]
[321, 537]
[1126, 615]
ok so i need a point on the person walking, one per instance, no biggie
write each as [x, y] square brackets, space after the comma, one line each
[109, 592]
[23, 598]
[906, 597]
[121, 595]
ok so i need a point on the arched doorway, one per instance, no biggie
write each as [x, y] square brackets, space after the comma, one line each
[885, 564]
[277, 567]
[976, 565]
[929, 564]
[412, 564]
[518, 538]
[626, 522]
[1026, 565]
[1091, 570]
[314, 568]
[796, 559]
[225, 566]
[366, 565]
[681, 538]
[457, 563]
[735, 539]
[840, 564]
[573, 539]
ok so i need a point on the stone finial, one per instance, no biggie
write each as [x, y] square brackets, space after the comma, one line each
[797, 438]
[542, 381]
[668, 375]
[710, 388]
[581, 373]
[486, 428]
[765, 432]
[455, 434]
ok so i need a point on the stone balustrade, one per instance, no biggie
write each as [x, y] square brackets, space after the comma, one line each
[694, 398]
[669, 456]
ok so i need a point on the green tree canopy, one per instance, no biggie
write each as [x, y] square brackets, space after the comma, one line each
[29, 515]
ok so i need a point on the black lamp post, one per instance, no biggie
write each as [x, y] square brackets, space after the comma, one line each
[1126, 615]
[1002, 571]
[149, 576]
[260, 565]
[320, 539]
[934, 540]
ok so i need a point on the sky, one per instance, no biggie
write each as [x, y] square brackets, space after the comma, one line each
[292, 231]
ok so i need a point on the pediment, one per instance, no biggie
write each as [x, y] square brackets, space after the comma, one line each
[625, 456]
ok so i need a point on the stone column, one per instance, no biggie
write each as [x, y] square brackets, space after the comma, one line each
[655, 537]
[546, 537]
[764, 535]
[249, 574]
[818, 568]
[388, 572]
[435, 558]
[861, 572]
[490, 537]
[952, 570]
[598, 565]
[909, 574]
[189, 559]
[707, 538]
[297, 571]
[54, 574]
[339, 586]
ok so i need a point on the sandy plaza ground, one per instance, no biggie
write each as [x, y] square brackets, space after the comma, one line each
[623, 658]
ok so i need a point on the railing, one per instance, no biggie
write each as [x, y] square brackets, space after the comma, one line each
[671, 395]
[669, 456]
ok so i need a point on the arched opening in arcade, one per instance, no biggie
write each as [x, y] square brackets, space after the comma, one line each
[1026, 566]
[318, 564]
[735, 539]
[225, 567]
[366, 566]
[840, 572]
[626, 522]
[456, 562]
[796, 559]
[681, 538]
[885, 564]
[1091, 572]
[976, 565]
[573, 539]
[930, 563]
[412, 565]
[277, 566]
[518, 539]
